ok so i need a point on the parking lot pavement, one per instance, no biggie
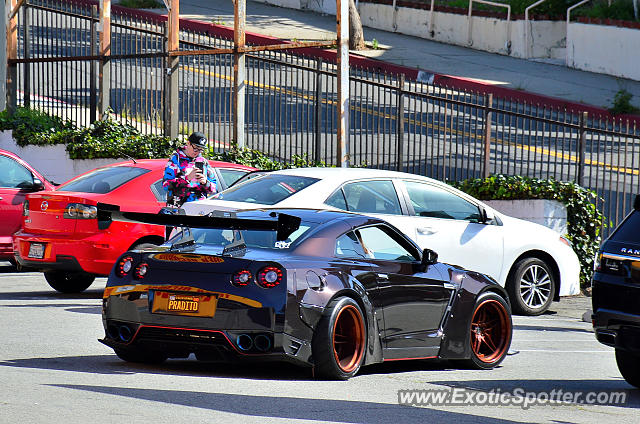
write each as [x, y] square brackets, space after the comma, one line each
[53, 368]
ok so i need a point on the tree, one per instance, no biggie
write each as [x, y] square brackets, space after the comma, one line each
[356, 35]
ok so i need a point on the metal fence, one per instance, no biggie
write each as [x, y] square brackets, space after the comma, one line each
[398, 124]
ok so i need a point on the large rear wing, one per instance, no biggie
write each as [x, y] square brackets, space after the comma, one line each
[284, 225]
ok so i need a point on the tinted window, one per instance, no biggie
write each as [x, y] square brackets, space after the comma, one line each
[261, 239]
[230, 176]
[14, 175]
[372, 197]
[431, 201]
[267, 190]
[103, 180]
[377, 244]
[629, 230]
[348, 246]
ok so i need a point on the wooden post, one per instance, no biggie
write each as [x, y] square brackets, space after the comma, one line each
[12, 53]
[239, 71]
[173, 65]
[342, 15]
[105, 51]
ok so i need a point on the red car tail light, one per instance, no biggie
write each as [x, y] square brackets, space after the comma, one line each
[80, 211]
[141, 270]
[124, 266]
[242, 278]
[269, 277]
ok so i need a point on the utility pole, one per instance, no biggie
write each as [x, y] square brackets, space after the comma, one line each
[342, 14]
[239, 70]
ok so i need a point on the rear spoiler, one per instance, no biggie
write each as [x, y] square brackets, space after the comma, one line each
[285, 225]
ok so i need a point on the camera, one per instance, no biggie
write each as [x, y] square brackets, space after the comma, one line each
[200, 166]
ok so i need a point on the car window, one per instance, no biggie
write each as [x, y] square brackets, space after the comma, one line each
[230, 175]
[267, 190]
[251, 238]
[13, 174]
[348, 246]
[103, 180]
[158, 191]
[629, 230]
[431, 201]
[377, 196]
[337, 200]
[377, 244]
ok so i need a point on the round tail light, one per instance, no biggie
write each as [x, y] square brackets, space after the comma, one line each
[124, 266]
[141, 270]
[269, 277]
[242, 278]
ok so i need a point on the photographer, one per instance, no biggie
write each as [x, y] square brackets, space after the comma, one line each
[187, 176]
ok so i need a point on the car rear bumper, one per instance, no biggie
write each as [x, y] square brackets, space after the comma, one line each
[93, 254]
[569, 266]
[235, 331]
[616, 317]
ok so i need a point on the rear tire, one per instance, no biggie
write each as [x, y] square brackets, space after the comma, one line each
[490, 331]
[69, 282]
[629, 366]
[531, 287]
[340, 340]
[141, 357]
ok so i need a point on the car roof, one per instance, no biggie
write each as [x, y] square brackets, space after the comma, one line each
[319, 216]
[154, 164]
[330, 173]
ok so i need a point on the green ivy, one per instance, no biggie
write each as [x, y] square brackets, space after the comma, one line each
[584, 221]
[33, 127]
[258, 159]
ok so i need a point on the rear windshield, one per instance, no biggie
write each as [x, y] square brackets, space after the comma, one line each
[629, 230]
[103, 180]
[250, 238]
[266, 190]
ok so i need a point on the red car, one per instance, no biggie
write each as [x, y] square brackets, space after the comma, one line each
[63, 235]
[17, 179]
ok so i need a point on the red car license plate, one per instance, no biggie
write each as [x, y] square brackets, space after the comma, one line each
[36, 250]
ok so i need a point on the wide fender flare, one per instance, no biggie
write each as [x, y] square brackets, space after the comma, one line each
[455, 342]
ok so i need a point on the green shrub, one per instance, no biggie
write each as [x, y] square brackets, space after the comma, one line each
[141, 4]
[584, 221]
[31, 126]
[622, 103]
[258, 159]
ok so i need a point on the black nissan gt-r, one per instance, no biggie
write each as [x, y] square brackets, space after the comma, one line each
[331, 290]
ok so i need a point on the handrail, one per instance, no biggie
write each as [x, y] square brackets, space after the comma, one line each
[527, 45]
[573, 7]
[491, 3]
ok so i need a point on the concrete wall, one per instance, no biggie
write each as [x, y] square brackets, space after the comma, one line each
[52, 161]
[605, 49]
[549, 213]
[595, 48]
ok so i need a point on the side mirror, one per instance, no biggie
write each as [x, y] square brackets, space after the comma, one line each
[429, 257]
[636, 202]
[37, 184]
[486, 217]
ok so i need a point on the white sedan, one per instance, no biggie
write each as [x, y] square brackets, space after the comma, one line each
[533, 262]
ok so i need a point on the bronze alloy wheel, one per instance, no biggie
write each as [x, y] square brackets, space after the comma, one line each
[490, 331]
[348, 338]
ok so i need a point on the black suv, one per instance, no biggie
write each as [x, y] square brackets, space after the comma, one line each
[616, 295]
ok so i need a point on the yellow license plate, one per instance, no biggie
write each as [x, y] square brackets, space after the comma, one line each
[184, 304]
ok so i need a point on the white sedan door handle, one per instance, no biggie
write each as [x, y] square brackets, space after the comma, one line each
[427, 230]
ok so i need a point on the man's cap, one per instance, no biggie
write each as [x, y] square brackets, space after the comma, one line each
[198, 139]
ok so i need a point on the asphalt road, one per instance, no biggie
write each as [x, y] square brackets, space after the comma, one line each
[53, 369]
